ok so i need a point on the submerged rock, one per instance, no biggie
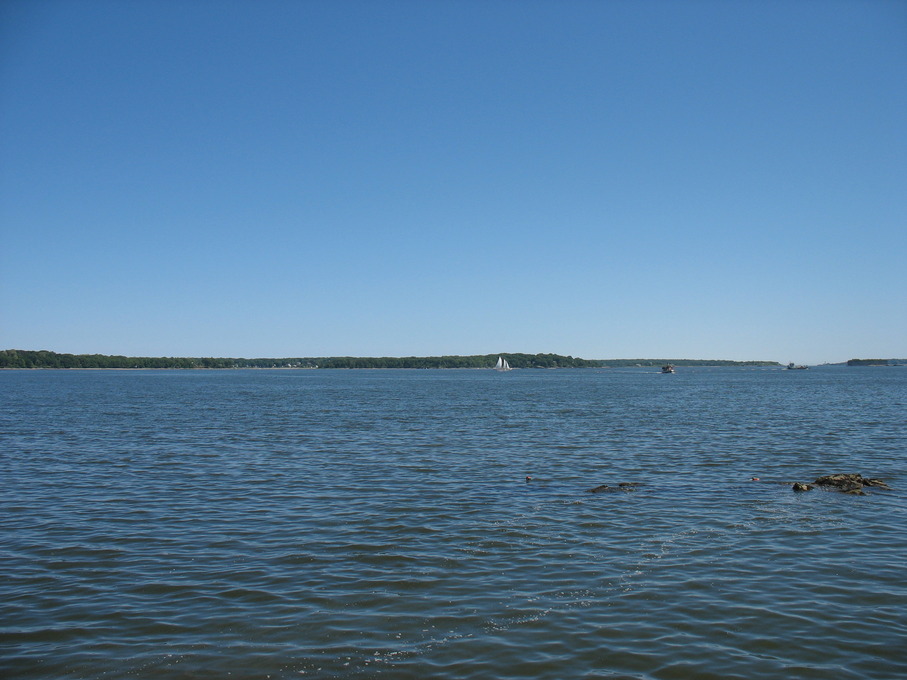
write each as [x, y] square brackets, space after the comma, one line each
[623, 486]
[845, 483]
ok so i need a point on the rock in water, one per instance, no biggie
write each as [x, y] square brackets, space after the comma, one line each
[850, 483]
[799, 486]
[840, 481]
[623, 486]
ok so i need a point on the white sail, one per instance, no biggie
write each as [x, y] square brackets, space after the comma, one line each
[502, 365]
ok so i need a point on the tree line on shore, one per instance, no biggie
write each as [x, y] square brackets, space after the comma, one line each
[877, 362]
[13, 358]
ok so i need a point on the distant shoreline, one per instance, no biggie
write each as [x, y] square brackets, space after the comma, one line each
[375, 368]
[43, 359]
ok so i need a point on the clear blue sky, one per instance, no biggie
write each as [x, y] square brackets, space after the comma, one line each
[603, 179]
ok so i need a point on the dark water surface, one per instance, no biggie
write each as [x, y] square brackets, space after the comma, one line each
[358, 524]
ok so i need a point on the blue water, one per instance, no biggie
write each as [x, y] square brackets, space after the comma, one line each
[360, 524]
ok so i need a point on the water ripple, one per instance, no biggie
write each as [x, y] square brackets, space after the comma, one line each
[378, 524]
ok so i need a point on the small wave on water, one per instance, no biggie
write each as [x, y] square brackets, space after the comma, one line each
[333, 524]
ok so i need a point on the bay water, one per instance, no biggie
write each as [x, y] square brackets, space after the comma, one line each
[379, 523]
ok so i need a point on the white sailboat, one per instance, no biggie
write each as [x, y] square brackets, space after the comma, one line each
[502, 365]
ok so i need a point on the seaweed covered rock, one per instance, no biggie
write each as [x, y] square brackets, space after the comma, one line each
[799, 486]
[850, 483]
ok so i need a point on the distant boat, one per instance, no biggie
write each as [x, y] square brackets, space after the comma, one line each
[502, 365]
[667, 368]
[792, 367]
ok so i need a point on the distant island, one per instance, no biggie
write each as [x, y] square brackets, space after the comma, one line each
[877, 362]
[17, 358]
